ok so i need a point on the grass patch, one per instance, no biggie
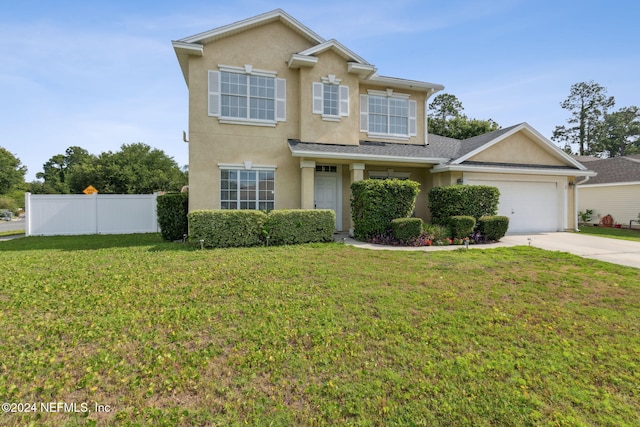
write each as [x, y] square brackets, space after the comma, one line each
[318, 334]
[11, 232]
[614, 233]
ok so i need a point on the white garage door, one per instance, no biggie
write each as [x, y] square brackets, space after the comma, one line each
[530, 206]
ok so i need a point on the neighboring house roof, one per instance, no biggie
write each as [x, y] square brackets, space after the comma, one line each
[615, 170]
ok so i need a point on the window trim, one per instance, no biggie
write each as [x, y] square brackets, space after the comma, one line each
[412, 109]
[247, 167]
[214, 99]
[317, 95]
[389, 173]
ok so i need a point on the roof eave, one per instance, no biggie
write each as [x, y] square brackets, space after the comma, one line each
[365, 157]
[378, 80]
[511, 170]
[609, 184]
[183, 51]
[277, 14]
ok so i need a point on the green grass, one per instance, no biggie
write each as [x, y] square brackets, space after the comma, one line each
[322, 334]
[614, 233]
[11, 232]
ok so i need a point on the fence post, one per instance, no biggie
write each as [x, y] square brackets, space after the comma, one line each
[155, 211]
[95, 212]
[27, 214]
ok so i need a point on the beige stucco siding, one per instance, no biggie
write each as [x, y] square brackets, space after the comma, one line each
[312, 126]
[622, 202]
[519, 149]
[419, 97]
[212, 142]
[207, 152]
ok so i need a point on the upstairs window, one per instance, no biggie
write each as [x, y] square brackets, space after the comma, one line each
[239, 95]
[330, 99]
[389, 115]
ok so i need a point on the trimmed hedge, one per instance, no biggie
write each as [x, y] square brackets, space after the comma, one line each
[289, 227]
[227, 228]
[172, 211]
[375, 203]
[468, 200]
[493, 227]
[461, 226]
[406, 229]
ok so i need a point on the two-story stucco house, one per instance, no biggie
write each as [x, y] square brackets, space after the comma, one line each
[280, 118]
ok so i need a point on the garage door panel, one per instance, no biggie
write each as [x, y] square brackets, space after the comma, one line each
[531, 206]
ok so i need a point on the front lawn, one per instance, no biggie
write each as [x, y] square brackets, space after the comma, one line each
[614, 233]
[324, 334]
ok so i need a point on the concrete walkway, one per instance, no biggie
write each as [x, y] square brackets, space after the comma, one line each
[622, 252]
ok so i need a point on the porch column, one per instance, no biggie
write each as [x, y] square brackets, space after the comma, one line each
[307, 173]
[357, 174]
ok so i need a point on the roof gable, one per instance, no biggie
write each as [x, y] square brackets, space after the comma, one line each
[475, 147]
[246, 24]
[336, 46]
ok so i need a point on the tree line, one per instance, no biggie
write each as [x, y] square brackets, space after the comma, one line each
[591, 127]
[135, 169]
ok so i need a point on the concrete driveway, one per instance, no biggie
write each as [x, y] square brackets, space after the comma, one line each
[622, 252]
[615, 251]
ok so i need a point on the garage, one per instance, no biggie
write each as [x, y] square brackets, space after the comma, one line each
[531, 206]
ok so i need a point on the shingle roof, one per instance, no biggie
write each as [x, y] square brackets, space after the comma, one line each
[432, 153]
[615, 170]
[476, 142]
[442, 151]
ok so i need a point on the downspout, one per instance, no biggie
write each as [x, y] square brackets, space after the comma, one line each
[575, 202]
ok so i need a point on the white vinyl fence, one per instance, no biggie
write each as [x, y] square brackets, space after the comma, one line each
[67, 214]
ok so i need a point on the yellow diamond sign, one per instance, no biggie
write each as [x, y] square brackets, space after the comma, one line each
[90, 190]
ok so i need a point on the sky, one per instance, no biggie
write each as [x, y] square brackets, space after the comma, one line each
[100, 74]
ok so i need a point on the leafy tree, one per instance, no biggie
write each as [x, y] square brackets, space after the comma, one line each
[11, 171]
[446, 119]
[462, 127]
[59, 168]
[620, 133]
[445, 106]
[135, 169]
[588, 103]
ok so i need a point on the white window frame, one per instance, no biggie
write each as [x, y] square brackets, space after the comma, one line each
[318, 103]
[215, 96]
[389, 173]
[365, 122]
[239, 169]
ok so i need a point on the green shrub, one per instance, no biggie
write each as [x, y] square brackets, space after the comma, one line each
[435, 232]
[468, 200]
[227, 228]
[8, 203]
[493, 227]
[461, 226]
[172, 215]
[375, 203]
[406, 229]
[289, 227]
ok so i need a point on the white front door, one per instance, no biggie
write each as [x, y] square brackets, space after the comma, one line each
[326, 193]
